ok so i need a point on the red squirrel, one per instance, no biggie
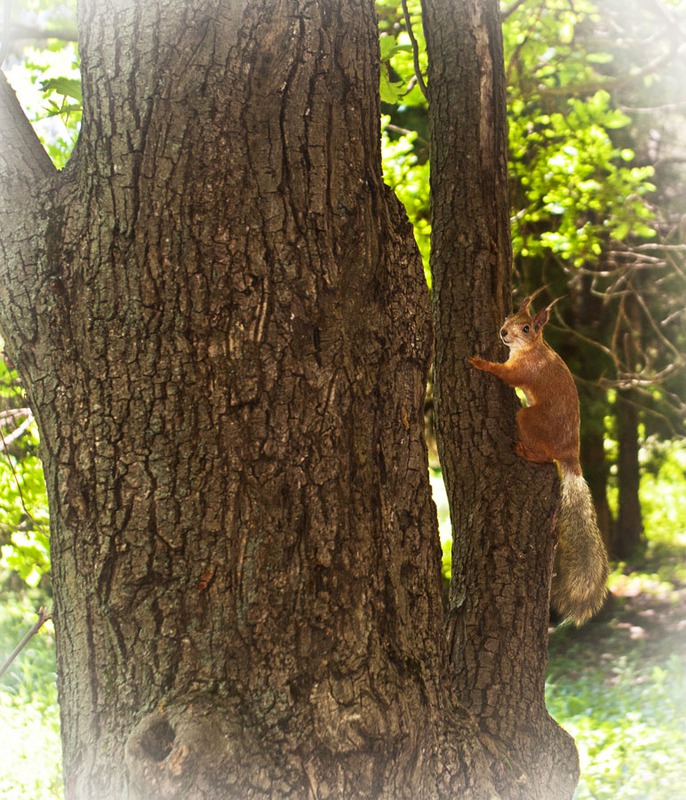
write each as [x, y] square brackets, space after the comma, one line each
[548, 428]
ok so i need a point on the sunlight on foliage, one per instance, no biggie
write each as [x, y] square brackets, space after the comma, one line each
[48, 83]
[663, 499]
[46, 77]
[410, 180]
[24, 517]
[572, 185]
[24, 538]
[398, 79]
[444, 529]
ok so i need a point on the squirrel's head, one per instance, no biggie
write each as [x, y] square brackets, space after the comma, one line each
[520, 331]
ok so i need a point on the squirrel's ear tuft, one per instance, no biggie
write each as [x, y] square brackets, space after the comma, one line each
[544, 315]
[527, 300]
[550, 305]
[556, 300]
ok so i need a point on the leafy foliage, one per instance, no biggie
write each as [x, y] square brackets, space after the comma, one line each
[399, 84]
[569, 174]
[24, 540]
[50, 87]
[408, 176]
[572, 186]
[46, 76]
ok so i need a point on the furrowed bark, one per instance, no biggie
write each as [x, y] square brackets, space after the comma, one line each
[502, 508]
[245, 552]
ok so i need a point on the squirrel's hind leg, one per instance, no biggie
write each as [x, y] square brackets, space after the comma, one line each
[530, 455]
[532, 443]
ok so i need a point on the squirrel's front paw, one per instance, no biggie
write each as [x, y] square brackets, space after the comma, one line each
[477, 362]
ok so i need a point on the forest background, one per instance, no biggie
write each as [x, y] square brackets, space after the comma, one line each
[597, 106]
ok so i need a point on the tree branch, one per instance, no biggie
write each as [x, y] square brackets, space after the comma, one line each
[43, 617]
[506, 12]
[27, 176]
[18, 33]
[415, 48]
[22, 156]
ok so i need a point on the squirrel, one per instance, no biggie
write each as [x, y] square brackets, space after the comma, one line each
[548, 428]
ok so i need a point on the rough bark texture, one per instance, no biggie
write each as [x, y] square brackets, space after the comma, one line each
[222, 322]
[502, 508]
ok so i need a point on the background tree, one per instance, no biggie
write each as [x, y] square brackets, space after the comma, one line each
[502, 508]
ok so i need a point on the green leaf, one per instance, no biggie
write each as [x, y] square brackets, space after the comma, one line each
[69, 87]
[391, 91]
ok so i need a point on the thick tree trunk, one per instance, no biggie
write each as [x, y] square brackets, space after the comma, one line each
[223, 326]
[502, 508]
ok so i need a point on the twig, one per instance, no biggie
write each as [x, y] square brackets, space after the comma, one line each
[405, 132]
[43, 617]
[415, 48]
[508, 11]
[17, 432]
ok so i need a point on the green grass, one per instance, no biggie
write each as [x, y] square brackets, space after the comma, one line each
[624, 701]
[30, 751]
[618, 685]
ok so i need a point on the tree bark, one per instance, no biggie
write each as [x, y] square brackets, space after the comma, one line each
[222, 323]
[503, 509]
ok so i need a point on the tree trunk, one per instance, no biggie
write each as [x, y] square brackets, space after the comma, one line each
[595, 466]
[629, 532]
[503, 508]
[223, 325]
[590, 365]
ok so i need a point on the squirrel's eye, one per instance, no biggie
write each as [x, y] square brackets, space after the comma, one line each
[525, 329]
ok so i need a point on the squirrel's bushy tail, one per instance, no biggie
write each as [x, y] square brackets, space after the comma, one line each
[581, 567]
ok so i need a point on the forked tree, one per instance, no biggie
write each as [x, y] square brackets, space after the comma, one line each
[220, 317]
